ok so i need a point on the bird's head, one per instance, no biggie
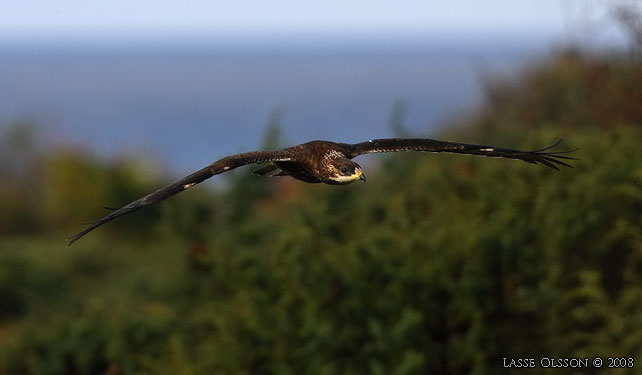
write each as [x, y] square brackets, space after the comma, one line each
[344, 171]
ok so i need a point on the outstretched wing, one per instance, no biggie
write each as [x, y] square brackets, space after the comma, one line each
[220, 166]
[543, 156]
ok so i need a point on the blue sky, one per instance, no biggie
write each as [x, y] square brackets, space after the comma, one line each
[28, 18]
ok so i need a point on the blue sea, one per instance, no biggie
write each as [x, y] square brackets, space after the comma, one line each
[187, 103]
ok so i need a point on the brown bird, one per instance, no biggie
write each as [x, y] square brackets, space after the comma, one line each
[330, 163]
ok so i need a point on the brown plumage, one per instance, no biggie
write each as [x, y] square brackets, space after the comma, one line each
[330, 163]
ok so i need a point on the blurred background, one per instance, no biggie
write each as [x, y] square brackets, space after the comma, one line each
[440, 264]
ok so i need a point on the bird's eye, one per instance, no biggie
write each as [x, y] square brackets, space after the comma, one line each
[344, 170]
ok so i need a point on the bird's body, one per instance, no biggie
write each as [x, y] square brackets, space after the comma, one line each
[313, 162]
[328, 162]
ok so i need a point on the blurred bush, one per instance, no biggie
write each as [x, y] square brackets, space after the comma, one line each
[49, 190]
[20, 190]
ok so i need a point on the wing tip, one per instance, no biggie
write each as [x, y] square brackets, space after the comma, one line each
[77, 236]
[71, 240]
[554, 159]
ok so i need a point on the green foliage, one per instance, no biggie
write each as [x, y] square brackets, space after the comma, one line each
[440, 264]
[573, 91]
[19, 157]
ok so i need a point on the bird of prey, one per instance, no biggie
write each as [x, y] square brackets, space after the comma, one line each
[330, 163]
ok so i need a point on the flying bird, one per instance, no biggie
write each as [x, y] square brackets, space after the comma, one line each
[330, 163]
